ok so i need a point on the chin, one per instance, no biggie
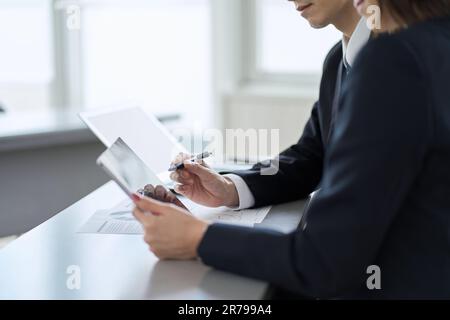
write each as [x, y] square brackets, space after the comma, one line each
[318, 23]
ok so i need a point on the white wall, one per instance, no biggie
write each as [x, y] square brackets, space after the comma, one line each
[38, 183]
[288, 114]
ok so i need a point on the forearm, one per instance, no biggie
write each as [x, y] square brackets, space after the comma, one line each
[286, 260]
[297, 176]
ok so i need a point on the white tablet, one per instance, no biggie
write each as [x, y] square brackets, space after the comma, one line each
[140, 130]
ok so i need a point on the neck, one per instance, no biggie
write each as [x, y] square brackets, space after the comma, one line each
[347, 21]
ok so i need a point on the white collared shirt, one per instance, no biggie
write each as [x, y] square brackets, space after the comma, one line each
[357, 41]
[350, 51]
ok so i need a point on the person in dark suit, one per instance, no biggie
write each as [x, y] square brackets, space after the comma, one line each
[300, 167]
[383, 202]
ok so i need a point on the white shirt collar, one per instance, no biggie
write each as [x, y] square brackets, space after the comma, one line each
[357, 41]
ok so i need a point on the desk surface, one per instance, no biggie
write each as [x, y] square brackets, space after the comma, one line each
[116, 266]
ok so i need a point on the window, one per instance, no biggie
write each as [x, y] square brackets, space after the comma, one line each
[158, 52]
[285, 42]
[155, 52]
[26, 63]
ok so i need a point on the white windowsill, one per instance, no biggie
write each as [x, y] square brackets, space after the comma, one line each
[277, 90]
[31, 130]
[19, 131]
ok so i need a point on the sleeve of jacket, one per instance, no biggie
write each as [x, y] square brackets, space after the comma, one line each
[375, 155]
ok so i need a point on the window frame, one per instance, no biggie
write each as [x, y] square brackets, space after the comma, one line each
[67, 89]
[253, 74]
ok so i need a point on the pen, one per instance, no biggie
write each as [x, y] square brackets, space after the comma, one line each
[180, 165]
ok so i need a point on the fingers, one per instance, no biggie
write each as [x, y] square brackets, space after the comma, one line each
[160, 193]
[140, 216]
[185, 190]
[155, 207]
[171, 198]
[198, 169]
[181, 157]
[182, 176]
[202, 163]
[149, 191]
[186, 175]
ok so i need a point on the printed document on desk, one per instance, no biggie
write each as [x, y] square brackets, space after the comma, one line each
[120, 219]
[117, 220]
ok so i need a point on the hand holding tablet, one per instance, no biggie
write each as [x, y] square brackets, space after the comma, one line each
[132, 175]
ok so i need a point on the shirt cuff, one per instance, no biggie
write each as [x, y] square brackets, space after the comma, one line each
[246, 198]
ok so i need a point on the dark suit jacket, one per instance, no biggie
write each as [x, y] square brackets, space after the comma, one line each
[384, 197]
[300, 167]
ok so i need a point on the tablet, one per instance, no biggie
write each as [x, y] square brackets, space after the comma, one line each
[140, 130]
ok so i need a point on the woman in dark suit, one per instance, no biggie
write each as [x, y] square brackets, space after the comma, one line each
[379, 226]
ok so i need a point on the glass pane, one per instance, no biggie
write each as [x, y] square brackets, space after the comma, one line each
[26, 69]
[155, 52]
[287, 43]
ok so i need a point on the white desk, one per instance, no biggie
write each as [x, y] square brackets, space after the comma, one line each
[115, 266]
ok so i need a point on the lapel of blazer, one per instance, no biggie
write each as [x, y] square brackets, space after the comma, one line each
[335, 101]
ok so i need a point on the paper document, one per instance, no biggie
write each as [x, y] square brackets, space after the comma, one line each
[246, 217]
[120, 219]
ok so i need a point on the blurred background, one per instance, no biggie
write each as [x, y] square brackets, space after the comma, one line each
[193, 63]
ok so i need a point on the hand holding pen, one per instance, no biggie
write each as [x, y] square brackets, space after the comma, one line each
[201, 184]
[180, 165]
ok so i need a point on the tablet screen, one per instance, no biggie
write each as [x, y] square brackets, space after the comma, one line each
[126, 168]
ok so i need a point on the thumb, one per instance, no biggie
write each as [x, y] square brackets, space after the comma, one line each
[152, 206]
[140, 216]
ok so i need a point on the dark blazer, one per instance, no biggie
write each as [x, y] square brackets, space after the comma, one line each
[384, 197]
[300, 167]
